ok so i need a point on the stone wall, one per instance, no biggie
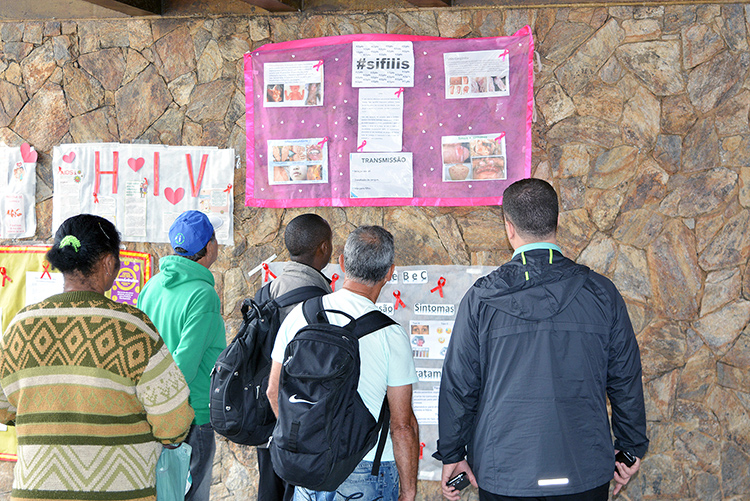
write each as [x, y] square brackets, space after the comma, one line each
[642, 126]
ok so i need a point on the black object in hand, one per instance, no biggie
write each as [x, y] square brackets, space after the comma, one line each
[626, 458]
[459, 481]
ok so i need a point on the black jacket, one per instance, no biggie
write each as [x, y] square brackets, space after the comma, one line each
[537, 347]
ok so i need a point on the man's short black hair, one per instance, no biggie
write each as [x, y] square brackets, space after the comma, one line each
[531, 206]
[305, 233]
[179, 251]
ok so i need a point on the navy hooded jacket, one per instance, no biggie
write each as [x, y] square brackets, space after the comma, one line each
[537, 347]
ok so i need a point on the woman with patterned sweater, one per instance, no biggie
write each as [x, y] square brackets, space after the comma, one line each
[92, 389]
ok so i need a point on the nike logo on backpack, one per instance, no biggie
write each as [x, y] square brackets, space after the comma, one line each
[294, 400]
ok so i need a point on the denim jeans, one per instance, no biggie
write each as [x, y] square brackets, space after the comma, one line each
[360, 485]
[201, 439]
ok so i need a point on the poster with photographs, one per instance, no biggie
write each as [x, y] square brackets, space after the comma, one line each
[398, 119]
[298, 161]
[293, 84]
[474, 158]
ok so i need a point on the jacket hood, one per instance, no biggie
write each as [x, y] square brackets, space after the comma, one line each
[177, 270]
[549, 288]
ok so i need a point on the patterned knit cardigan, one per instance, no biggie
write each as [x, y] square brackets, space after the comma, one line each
[93, 392]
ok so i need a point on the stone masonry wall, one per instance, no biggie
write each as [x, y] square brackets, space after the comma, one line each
[642, 126]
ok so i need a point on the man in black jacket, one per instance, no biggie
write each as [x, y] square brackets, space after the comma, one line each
[537, 348]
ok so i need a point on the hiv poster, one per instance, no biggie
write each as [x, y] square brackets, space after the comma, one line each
[142, 188]
[17, 191]
[385, 120]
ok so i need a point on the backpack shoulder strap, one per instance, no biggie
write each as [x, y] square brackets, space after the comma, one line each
[370, 322]
[299, 294]
[314, 311]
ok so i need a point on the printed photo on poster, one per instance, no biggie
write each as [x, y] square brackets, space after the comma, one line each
[429, 338]
[293, 84]
[474, 158]
[293, 161]
[476, 74]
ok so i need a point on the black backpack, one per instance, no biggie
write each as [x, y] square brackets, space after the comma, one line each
[239, 408]
[324, 428]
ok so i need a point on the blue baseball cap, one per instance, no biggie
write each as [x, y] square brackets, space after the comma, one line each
[192, 230]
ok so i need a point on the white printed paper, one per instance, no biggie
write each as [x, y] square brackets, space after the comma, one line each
[430, 338]
[298, 83]
[381, 119]
[382, 64]
[381, 175]
[14, 215]
[41, 285]
[476, 74]
[135, 208]
[425, 406]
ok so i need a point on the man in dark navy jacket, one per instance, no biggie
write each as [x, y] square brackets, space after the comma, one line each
[537, 348]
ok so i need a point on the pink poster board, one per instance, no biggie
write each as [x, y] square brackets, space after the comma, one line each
[466, 126]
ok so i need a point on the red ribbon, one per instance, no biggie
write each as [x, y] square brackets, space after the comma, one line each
[317, 66]
[5, 276]
[503, 54]
[228, 189]
[361, 146]
[500, 137]
[421, 450]
[46, 271]
[96, 198]
[324, 141]
[397, 295]
[399, 92]
[441, 283]
[334, 277]
[268, 272]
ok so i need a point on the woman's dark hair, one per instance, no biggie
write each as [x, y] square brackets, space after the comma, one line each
[85, 238]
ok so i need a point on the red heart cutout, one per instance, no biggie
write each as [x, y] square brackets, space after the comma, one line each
[136, 163]
[69, 157]
[27, 153]
[174, 196]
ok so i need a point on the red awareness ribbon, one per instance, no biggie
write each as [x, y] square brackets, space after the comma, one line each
[500, 137]
[503, 54]
[324, 141]
[317, 66]
[399, 92]
[5, 276]
[421, 450]
[441, 283]
[46, 271]
[361, 146]
[96, 198]
[397, 295]
[334, 277]
[268, 272]
[228, 189]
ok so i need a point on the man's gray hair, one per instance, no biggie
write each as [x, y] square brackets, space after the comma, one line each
[368, 254]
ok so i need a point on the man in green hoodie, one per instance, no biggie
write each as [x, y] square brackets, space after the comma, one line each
[184, 306]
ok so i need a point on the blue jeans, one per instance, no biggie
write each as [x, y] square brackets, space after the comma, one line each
[360, 485]
[201, 439]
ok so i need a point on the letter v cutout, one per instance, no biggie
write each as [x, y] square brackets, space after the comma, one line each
[193, 187]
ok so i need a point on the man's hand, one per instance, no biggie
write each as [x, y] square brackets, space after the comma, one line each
[450, 471]
[623, 474]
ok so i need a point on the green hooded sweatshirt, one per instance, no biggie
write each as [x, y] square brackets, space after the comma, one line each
[184, 306]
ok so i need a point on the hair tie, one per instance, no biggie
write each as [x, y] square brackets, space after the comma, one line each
[70, 240]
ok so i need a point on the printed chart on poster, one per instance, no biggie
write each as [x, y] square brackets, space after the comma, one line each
[385, 120]
[26, 277]
[17, 191]
[142, 188]
[424, 301]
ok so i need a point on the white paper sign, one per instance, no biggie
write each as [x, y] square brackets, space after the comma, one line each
[382, 64]
[477, 74]
[425, 405]
[41, 285]
[381, 119]
[298, 83]
[17, 191]
[381, 175]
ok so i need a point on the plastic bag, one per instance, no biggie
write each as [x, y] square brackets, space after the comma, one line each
[173, 473]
